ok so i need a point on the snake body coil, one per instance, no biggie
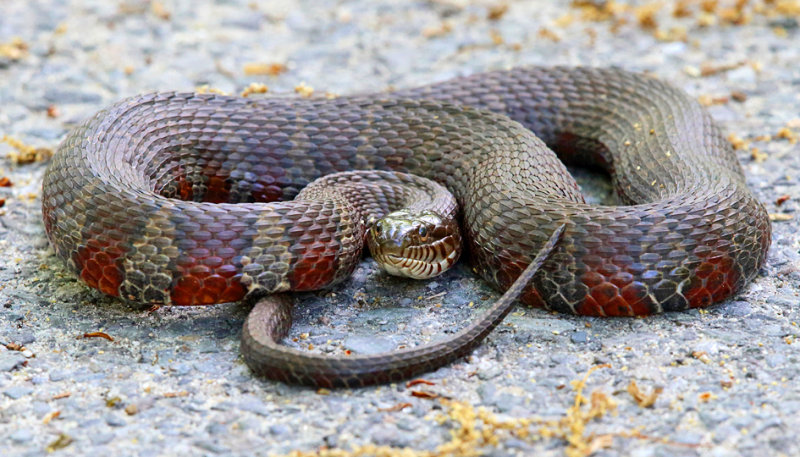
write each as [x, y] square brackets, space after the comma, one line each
[173, 197]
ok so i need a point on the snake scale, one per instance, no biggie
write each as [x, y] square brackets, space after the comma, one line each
[182, 198]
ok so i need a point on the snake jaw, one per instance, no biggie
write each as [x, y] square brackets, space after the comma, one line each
[423, 262]
[417, 245]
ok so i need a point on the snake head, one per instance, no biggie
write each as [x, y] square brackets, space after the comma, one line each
[415, 244]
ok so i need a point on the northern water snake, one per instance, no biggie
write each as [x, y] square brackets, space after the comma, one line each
[159, 198]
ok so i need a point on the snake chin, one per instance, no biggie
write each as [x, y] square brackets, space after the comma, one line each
[418, 268]
[417, 245]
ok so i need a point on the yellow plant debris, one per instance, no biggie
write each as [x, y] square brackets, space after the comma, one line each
[14, 49]
[205, 89]
[159, 10]
[24, 153]
[645, 400]
[787, 134]
[263, 69]
[704, 13]
[436, 31]
[476, 429]
[304, 90]
[255, 88]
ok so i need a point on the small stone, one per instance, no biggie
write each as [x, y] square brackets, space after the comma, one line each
[65, 96]
[788, 23]
[388, 435]
[22, 436]
[217, 429]
[41, 408]
[24, 338]
[180, 369]
[489, 371]
[279, 430]
[690, 438]
[11, 360]
[256, 407]
[742, 75]
[487, 392]
[713, 418]
[775, 360]
[101, 438]
[115, 420]
[58, 375]
[505, 402]
[736, 309]
[211, 446]
[17, 392]
[368, 344]
[579, 337]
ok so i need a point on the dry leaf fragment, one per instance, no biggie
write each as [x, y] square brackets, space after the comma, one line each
[304, 90]
[787, 134]
[423, 394]
[646, 15]
[644, 400]
[205, 89]
[397, 407]
[780, 217]
[15, 347]
[738, 143]
[255, 88]
[496, 37]
[415, 382]
[437, 30]
[681, 9]
[701, 356]
[61, 442]
[15, 49]
[497, 11]
[98, 335]
[182, 393]
[705, 397]
[709, 100]
[739, 96]
[50, 416]
[159, 11]
[25, 153]
[708, 69]
[757, 155]
[264, 69]
[548, 34]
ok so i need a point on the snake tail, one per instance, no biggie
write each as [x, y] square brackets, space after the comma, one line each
[270, 319]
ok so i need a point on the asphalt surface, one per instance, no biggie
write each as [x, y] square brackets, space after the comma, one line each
[172, 380]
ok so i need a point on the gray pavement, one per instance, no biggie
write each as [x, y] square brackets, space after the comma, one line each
[172, 380]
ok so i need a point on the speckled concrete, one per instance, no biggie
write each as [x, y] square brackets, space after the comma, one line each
[172, 381]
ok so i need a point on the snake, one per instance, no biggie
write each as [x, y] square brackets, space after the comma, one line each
[180, 198]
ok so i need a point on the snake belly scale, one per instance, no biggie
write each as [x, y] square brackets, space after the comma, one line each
[181, 198]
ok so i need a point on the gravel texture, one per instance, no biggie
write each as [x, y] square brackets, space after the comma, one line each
[172, 381]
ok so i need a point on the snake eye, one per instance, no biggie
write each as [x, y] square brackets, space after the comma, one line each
[423, 232]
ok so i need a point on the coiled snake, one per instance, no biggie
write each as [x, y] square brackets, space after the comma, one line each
[161, 198]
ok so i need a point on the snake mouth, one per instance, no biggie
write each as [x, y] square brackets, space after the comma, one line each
[420, 262]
